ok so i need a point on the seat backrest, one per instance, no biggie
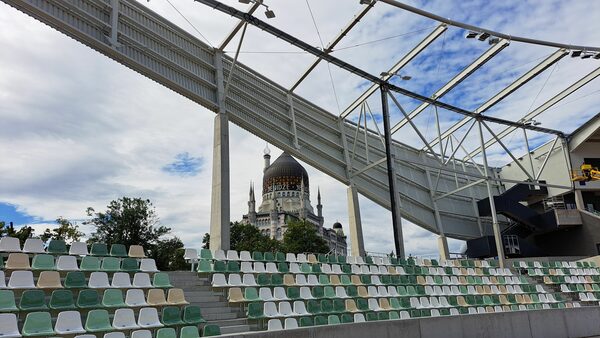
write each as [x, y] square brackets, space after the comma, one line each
[124, 318]
[136, 251]
[18, 261]
[171, 315]
[177, 296]
[135, 297]
[8, 325]
[78, 248]
[49, 280]
[148, 316]
[148, 265]
[118, 250]
[161, 280]
[21, 280]
[89, 263]
[75, 280]
[88, 299]
[57, 246]
[67, 263]
[156, 297]
[97, 320]
[99, 249]
[211, 330]
[121, 280]
[113, 298]
[141, 334]
[69, 322]
[166, 332]
[10, 244]
[33, 245]
[111, 264]
[98, 280]
[141, 280]
[38, 324]
[33, 300]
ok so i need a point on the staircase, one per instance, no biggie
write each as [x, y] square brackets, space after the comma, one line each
[215, 307]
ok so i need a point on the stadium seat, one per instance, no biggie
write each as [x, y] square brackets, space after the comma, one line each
[274, 325]
[124, 319]
[161, 280]
[7, 302]
[75, 280]
[97, 321]
[113, 298]
[90, 263]
[156, 297]
[17, 261]
[10, 244]
[177, 297]
[291, 323]
[61, 300]
[33, 245]
[118, 250]
[285, 309]
[110, 335]
[255, 311]
[78, 249]
[148, 265]
[111, 264]
[136, 251]
[68, 323]
[33, 300]
[211, 330]
[141, 280]
[248, 280]
[141, 334]
[67, 263]
[21, 280]
[49, 280]
[192, 315]
[38, 324]
[300, 308]
[121, 280]
[245, 256]
[8, 326]
[171, 316]
[135, 298]
[148, 318]
[99, 249]
[251, 294]
[88, 299]
[166, 332]
[57, 247]
[98, 280]
[235, 295]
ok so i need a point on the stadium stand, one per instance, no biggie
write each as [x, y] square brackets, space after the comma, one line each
[66, 290]
[282, 291]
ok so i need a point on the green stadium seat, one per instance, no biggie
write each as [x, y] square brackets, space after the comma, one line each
[263, 279]
[293, 293]
[62, 300]
[89, 263]
[305, 268]
[192, 332]
[316, 268]
[7, 301]
[219, 266]
[251, 294]
[168, 332]
[324, 279]
[329, 292]
[371, 316]
[383, 315]
[313, 306]
[268, 257]
[276, 280]
[317, 292]
[283, 267]
[257, 256]
[57, 247]
[326, 306]
[320, 320]
[211, 330]
[362, 304]
[129, 265]
[206, 254]
[339, 306]
[280, 257]
[161, 280]
[118, 250]
[87, 299]
[111, 264]
[333, 320]
[233, 267]
[43, 262]
[33, 300]
[171, 316]
[99, 249]
[255, 311]
[192, 315]
[346, 318]
[75, 280]
[204, 266]
[352, 291]
[113, 298]
[98, 321]
[38, 324]
[306, 322]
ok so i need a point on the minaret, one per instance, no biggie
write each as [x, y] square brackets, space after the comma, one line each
[273, 216]
[302, 213]
[267, 157]
[252, 206]
[319, 208]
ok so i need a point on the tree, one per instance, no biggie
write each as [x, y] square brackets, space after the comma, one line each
[168, 255]
[23, 233]
[247, 237]
[302, 236]
[206, 241]
[128, 221]
[66, 231]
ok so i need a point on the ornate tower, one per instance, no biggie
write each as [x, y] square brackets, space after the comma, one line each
[273, 217]
[267, 157]
[302, 213]
[319, 208]
[252, 206]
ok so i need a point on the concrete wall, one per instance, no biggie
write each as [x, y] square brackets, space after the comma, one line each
[580, 322]
[585, 150]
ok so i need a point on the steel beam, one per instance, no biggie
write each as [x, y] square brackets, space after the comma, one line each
[237, 27]
[399, 65]
[334, 42]
[518, 83]
[542, 108]
[481, 60]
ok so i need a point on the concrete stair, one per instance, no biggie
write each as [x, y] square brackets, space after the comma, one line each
[215, 307]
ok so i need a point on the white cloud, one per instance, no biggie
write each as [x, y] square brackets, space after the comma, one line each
[79, 130]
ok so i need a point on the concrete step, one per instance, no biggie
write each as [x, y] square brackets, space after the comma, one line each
[203, 299]
[206, 305]
[219, 316]
[232, 322]
[235, 329]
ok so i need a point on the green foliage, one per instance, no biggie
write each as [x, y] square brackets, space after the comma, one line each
[301, 236]
[206, 241]
[128, 221]
[248, 237]
[168, 255]
[66, 231]
[22, 233]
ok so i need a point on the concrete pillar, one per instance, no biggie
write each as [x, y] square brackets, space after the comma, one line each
[219, 207]
[443, 248]
[579, 200]
[356, 235]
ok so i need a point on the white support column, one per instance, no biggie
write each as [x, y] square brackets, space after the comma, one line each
[114, 24]
[495, 225]
[356, 236]
[442, 240]
[219, 213]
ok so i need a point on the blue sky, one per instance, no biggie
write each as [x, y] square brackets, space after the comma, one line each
[90, 130]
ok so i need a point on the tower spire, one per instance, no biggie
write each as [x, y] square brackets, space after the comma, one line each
[319, 207]
[251, 206]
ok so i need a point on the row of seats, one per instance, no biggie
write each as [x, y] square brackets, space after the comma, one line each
[231, 255]
[59, 247]
[553, 264]
[166, 332]
[340, 292]
[98, 320]
[220, 280]
[76, 279]
[580, 288]
[261, 310]
[205, 266]
[20, 261]
[594, 272]
[571, 279]
[36, 300]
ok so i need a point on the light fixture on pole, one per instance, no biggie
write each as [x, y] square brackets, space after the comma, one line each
[532, 122]
[483, 36]
[402, 77]
[471, 35]
[268, 13]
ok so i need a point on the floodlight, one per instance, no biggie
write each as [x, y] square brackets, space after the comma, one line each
[406, 77]
[269, 14]
[365, 2]
[483, 36]
[587, 55]
[471, 35]
[597, 56]
[576, 53]
[245, 1]
[493, 40]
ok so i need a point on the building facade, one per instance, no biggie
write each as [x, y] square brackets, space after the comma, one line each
[286, 197]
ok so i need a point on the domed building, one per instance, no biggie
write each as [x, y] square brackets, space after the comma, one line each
[286, 197]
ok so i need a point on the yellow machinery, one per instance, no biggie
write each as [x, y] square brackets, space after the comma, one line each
[587, 173]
